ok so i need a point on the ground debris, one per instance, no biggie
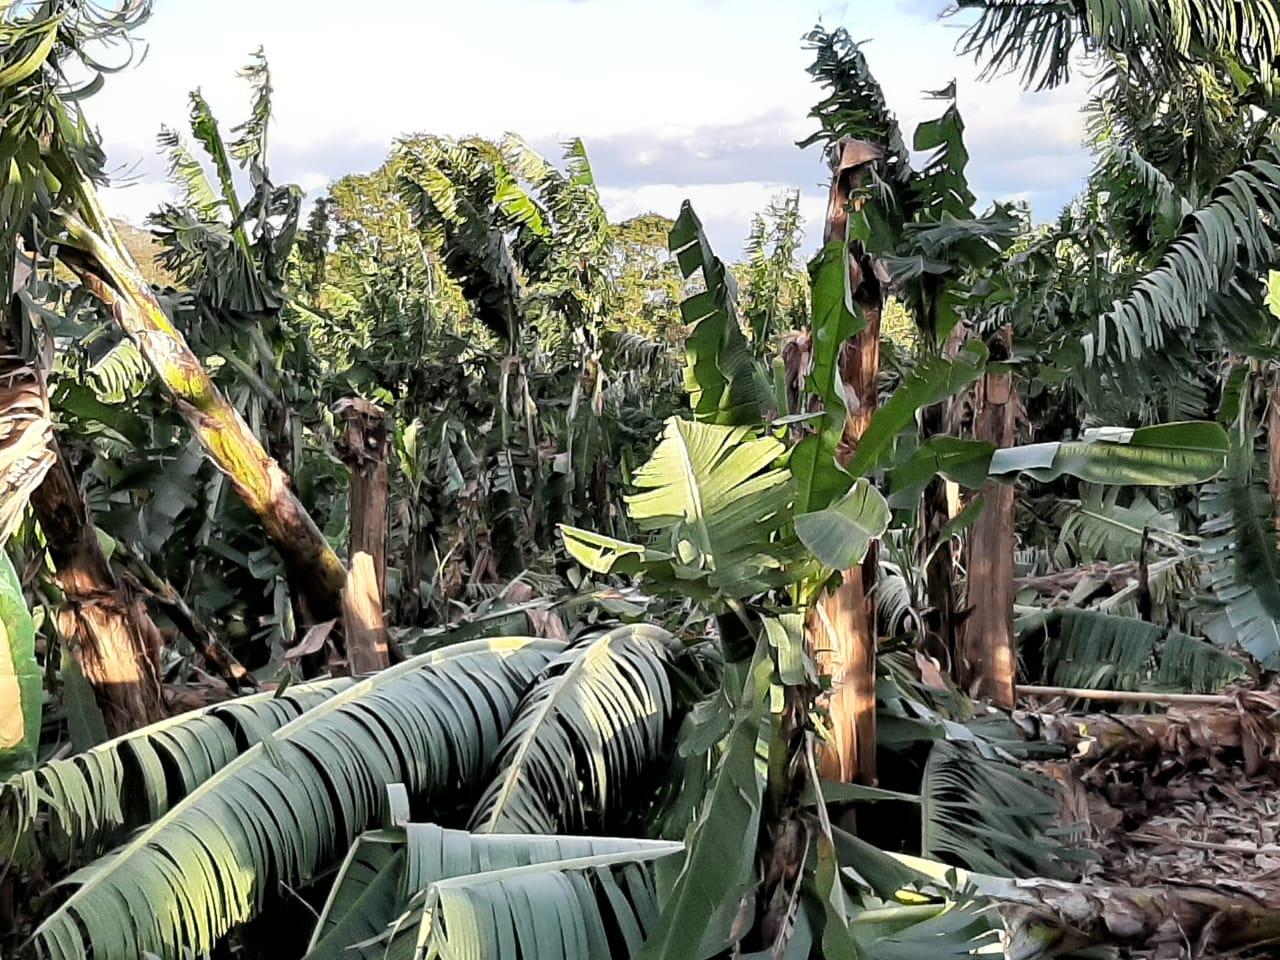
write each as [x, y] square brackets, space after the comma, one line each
[1204, 827]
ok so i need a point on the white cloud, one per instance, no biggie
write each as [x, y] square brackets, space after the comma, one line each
[724, 208]
[134, 201]
[703, 93]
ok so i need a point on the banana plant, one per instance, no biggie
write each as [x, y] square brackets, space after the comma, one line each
[53, 200]
[417, 887]
[294, 801]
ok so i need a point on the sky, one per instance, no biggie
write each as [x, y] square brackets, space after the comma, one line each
[674, 99]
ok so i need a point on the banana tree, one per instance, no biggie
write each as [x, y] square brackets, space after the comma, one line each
[918, 238]
[1165, 251]
[51, 192]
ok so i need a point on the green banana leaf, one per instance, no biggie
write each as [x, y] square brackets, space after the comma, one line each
[20, 679]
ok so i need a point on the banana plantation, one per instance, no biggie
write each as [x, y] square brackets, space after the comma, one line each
[440, 568]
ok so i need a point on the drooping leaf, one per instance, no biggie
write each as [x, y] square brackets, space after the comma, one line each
[1239, 547]
[377, 905]
[786, 635]
[186, 172]
[1099, 651]
[562, 910]
[292, 803]
[602, 554]
[1172, 454]
[988, 814]
[941, 189]
[71, 810]
[581, 736]
[840, 535]
[85, 724]
[959, 460]
[1101, 528]
[1228, 235]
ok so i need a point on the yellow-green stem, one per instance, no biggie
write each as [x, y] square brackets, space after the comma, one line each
[107, 271]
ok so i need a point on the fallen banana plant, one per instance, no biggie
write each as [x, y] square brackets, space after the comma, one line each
[67, 811]
[1049, 917]
[1249, 727]
[610, 699]
[408, 888]
[293, 803]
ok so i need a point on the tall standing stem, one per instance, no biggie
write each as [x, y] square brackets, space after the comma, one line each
[841, 633]
[986, 664]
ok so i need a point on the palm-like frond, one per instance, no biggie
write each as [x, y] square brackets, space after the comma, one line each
[68, 811]
[50, 50]
[582, 736]
[381, 900]
[1039, 37]
[1223, 239]
[293, 802]
[989, 815]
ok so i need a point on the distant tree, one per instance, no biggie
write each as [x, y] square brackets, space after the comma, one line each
[646, 278]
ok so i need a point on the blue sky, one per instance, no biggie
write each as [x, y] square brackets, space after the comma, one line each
[674, 98]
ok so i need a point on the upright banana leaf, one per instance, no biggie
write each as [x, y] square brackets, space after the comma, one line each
[70, 810]
[582, 736]
[294, 802]
[21, 682]
[934, 381]
[722, 506]
[380, 897]
[724, 382]
[819, 478]
[698, 917]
